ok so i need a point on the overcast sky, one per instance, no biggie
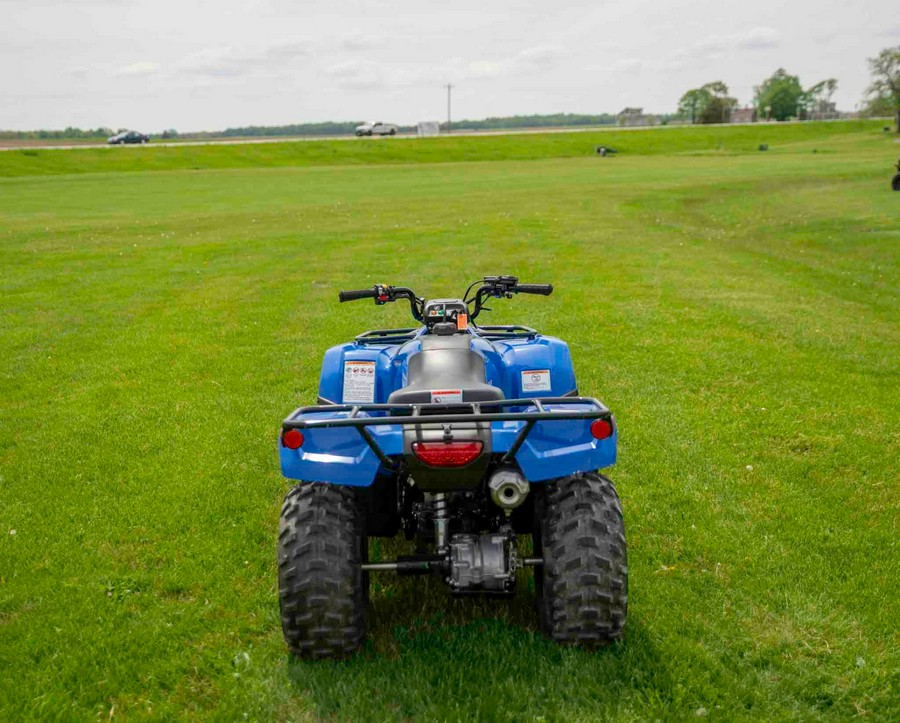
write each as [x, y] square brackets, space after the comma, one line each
[155, 64]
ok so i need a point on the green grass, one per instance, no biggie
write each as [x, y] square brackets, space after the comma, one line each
[738, 312]
[367, 151]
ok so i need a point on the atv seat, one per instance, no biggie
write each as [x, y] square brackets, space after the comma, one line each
[446, 362]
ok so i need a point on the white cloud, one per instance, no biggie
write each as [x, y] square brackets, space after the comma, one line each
[356, 74]
[230, 62]
[140, 68]
[356, 41]
[214, 62]
[530, 60]
[285, 50]
[627, 65]
[755, 38]
[365, 74]
[717, 47]
[542, 55]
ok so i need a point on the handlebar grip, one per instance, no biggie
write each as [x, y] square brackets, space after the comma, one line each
[357, 294]
[542, 289]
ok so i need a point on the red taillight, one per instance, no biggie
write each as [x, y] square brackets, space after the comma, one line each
[601, 429]
[447, 454]
[292, 439]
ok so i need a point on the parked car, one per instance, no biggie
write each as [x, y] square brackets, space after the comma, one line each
[376, 128]
[127, 137]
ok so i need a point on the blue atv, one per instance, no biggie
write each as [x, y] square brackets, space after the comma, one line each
[463, 437]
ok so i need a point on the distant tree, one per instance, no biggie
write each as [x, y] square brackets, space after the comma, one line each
[782, 93]
[877, 107]
[709, 103]
[818, 97]
[884, 91]
[693, 102]
[169, 133]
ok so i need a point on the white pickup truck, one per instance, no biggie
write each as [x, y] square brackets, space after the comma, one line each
[376, 128]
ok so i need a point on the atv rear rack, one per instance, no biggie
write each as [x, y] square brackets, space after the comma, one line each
[411, 414]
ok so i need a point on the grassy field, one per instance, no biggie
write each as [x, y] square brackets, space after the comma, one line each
[737, 310]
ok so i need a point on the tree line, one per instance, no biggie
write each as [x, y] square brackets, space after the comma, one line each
[778, 97]
[782, 96]
[65, 133]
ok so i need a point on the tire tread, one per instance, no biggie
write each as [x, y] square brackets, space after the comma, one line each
[584, 591]
[320, 583]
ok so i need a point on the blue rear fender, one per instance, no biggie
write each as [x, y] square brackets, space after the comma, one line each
[339, 455]
[556, 448]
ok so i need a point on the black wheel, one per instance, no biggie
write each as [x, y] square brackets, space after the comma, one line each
[583, 586]
[895, 182]
[393, 132]
[321, 588]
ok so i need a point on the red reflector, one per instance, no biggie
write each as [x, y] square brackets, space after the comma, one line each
[292, 439]
[447, 454]
[601, 429]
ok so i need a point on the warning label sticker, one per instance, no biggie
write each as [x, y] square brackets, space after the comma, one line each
[359, 382]
[446, 396]
[536, 380]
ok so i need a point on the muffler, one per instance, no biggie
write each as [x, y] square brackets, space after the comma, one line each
[508, 489]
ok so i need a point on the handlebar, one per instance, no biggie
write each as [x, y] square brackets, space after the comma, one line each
[383, 294]
[541, 289]
[357, 294]
[496, 287]
[499, 287]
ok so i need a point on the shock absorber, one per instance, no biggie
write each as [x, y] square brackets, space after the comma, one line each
[440, 522]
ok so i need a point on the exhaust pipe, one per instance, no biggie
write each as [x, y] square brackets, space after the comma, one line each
[508, 489]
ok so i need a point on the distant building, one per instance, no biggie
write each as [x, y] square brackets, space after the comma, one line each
[744, 115]
[635, 117]
[428, 128]
[824, 110]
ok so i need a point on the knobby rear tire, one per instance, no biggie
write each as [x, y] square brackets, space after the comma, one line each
[321, 588]
[583, 586]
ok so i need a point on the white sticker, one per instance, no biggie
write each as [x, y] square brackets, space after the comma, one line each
[359, 382]
[536, 380]
[446, 396]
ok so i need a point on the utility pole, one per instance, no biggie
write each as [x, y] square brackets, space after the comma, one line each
[449, 87]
